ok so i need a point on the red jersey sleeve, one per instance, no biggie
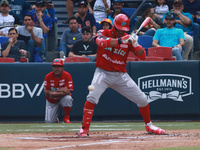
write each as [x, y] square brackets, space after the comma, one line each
[69, 82]
[46, 82]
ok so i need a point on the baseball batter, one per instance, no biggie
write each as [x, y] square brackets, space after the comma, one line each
[57, 88]
[113, 48]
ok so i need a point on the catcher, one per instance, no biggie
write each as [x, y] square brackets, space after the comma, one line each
[113, 48]
[58, 86]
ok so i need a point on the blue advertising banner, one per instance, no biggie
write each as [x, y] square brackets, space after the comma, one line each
[172, 89]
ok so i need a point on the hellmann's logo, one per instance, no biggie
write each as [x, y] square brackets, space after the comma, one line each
[165, 86]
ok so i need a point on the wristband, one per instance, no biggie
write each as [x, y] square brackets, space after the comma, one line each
[107, 9]
[178, 13]
[119, 40]
[40, 20]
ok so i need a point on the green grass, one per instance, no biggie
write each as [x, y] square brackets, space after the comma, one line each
[96, 126]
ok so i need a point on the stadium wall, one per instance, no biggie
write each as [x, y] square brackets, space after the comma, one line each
[172, 89]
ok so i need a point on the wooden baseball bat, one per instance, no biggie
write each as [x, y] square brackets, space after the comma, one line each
[144, 23]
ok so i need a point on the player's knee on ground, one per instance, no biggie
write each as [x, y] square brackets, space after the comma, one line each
[67, 101]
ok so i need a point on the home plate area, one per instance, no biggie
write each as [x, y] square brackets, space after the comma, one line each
[118, 140]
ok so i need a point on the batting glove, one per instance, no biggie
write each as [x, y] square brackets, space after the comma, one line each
[133, 39]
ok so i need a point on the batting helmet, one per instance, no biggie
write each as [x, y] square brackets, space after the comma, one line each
[57, 62]
[121, 22]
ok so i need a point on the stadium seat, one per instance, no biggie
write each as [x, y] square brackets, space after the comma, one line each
[165, 52]
[77, 59]
[145, 41]
[24, 60]
[7, 60]
[154, 59]
[36, 57]
[98, 25]
[129, 11]
[3, 39]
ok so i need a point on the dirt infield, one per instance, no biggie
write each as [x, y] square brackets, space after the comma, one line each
[115, 140]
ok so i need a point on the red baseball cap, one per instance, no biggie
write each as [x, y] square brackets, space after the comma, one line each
[57, 62]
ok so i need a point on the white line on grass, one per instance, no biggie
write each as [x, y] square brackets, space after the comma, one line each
[102, 129]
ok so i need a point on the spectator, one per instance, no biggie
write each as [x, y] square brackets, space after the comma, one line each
[170, 36]
[49, 6]
[70, 7]
[192, 7]
[85, 18]
[6, 20]
[31, 35]
[184, 21]
[101, 9]
[14, 48]
[106, 24]
[43, 21]
[161, 8]
[40, 19]
[58, 86]
[85, 47]
[70, 36]
[117, 9]
[155, 23]
[19, 8]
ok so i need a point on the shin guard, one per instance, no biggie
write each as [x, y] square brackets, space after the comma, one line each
[87, 116]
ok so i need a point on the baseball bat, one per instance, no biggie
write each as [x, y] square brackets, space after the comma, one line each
[144, 23]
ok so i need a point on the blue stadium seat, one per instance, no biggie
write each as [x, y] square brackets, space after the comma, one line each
[98, 25]
[145, 41]
[3, 39]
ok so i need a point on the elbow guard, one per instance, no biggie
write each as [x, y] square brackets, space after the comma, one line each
[103, 41]
[143, 56]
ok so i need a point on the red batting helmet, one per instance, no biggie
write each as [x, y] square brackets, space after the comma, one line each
[121, 22]
[57, 62]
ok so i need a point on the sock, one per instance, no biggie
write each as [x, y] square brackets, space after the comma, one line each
[144, 111]
[67, 111]
[87, 116]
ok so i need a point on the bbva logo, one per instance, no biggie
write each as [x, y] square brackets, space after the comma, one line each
[165, 86]
[18, 90]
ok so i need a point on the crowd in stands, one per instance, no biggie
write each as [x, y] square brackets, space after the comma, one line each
[33, 22]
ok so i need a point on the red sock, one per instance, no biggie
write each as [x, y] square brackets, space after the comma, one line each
[87, 116]
[67, 111]
[144, 111]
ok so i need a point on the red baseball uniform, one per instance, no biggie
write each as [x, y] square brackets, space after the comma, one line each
[112, 58]
[52, 83]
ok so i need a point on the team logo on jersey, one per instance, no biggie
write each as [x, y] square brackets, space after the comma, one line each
[166, 86]
[87, 23]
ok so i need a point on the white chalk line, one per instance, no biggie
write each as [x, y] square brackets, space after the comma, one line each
[89, 144]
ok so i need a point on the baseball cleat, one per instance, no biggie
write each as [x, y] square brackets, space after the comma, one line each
[82, 133]
[66, 119]
[150, 128]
